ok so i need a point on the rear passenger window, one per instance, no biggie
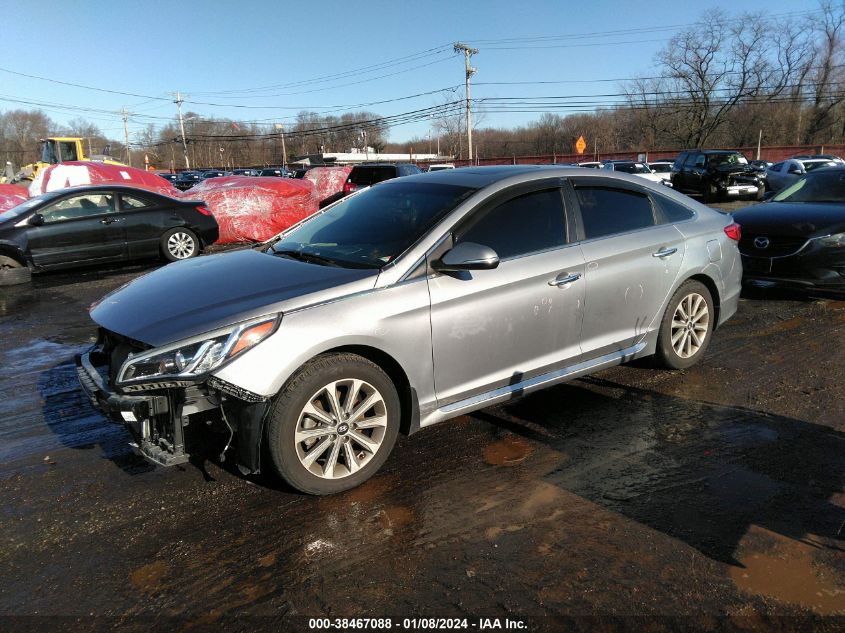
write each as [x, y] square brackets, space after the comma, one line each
[133, 202]
[673, 211]
[527, 224]
[606, 211]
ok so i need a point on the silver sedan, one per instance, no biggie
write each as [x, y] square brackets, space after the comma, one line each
[409, 303]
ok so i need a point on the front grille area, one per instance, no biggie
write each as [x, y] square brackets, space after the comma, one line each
[778, 246]
[116, 348]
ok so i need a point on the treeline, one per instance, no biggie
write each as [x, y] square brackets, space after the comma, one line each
[721, 83]
[724, 82]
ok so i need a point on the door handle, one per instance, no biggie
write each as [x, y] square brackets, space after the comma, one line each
[562, 281]
[665, 252]
[107, 221]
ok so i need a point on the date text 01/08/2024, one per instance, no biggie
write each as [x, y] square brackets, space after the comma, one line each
[415, 624]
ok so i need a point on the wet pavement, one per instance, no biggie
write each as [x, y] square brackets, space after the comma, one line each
[708, 497]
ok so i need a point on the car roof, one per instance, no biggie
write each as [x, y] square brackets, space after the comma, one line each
[111, 187]
[480, 177]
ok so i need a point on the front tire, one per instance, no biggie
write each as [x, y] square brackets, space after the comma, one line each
[179, 243]
[333, 425]
[687, 326]
[711, 193]
[13, 272]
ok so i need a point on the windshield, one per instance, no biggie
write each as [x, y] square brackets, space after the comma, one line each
[632, 168]
[808, 166]
[372, 228]
[25, 206]
[727, 159]
[821, 186]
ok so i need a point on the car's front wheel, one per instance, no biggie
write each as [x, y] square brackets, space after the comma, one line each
[686, 326]
[13, 272]
[333, 425]
[180, 243]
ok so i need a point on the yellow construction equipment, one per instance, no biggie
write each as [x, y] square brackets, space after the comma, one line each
[58, 149]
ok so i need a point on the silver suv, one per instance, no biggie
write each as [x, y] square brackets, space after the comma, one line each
[406, 304]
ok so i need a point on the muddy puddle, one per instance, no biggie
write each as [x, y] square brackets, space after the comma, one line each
[787, 571]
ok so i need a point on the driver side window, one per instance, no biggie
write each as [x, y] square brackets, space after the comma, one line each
[77, 207]
[526, 224]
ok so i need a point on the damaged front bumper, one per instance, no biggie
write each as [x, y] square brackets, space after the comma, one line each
[158, 414]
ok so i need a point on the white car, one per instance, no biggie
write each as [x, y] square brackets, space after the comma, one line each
[781, 175]
[440, 166]
[631, 167]
[662, 168]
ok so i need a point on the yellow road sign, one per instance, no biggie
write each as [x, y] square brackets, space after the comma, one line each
[580, 145]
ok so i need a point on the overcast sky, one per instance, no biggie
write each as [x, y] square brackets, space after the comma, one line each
[265, 61]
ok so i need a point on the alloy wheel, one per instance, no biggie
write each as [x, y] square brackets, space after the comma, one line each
[181, 245]
[341, 428]
[690, 325]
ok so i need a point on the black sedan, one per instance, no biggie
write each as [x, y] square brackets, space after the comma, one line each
[797, 239]
[98, 224]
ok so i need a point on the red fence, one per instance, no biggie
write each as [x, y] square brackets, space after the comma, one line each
[773, 153]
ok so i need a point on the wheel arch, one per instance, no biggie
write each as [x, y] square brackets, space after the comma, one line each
[9, 250]
[711, 285]
[408, 401]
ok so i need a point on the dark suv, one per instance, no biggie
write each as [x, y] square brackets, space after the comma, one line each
[717, 174]
[368, 174]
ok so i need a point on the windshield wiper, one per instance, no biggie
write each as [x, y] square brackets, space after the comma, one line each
[311, 258]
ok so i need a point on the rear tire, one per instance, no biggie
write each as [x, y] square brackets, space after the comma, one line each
[333, 425]
[179, 243]
[687, 326]
[13, 272]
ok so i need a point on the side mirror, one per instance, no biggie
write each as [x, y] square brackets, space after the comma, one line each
[467, 256]
[36, 220]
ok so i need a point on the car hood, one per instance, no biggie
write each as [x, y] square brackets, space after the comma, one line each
[198, 295]
[804, 219]
[738, 169]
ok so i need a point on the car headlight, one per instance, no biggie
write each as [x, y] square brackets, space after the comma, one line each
[197, 356]
[833, 241]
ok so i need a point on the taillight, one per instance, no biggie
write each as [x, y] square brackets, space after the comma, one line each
[349, 187]
[203, 210]
[733, 231]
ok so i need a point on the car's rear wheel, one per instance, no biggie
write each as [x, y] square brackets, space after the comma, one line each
[179, 243]
[687, 325]
[333, 425]
[13, 272]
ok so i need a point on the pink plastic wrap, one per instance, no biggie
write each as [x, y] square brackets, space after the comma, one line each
[11, 196]
[327, 180]
[77, 173]
[250, 209]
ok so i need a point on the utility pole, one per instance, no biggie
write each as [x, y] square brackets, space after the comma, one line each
[126, 136]
[281, 129]
[470, 71]
[182, 127]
